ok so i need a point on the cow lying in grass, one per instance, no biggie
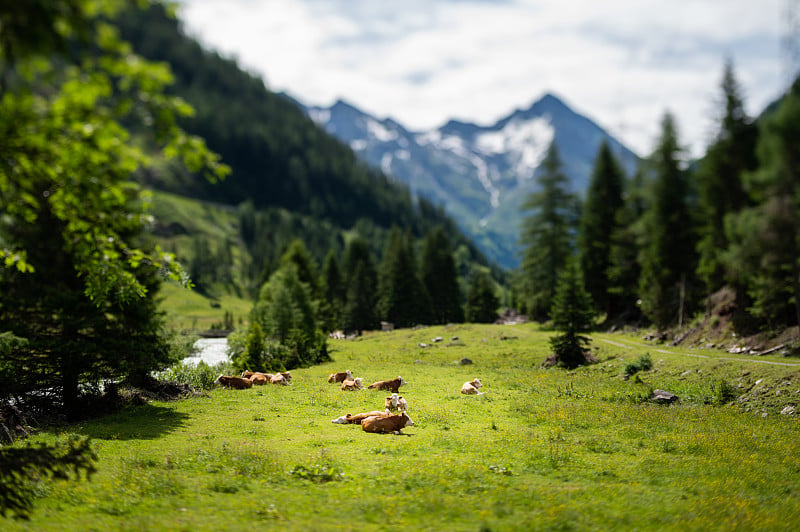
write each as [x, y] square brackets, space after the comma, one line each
[352, 384]
[357, 418]
[471, 387]
[386, 424]
[281, 378]
[392, 385]
[234, 382]
[256, 377]
[340, 376]
[394, 403]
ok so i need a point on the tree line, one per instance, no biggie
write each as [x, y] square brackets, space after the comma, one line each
[300, 303]
[657, 246]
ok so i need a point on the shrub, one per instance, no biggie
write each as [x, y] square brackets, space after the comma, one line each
[643, 363]
[199, 376]
[723, 392]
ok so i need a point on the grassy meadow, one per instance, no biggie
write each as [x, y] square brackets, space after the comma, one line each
[542, 449]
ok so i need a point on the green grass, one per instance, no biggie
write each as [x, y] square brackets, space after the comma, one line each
[188, 310]
[540, 450]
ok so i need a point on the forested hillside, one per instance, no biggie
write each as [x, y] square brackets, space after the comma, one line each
[289, 179]
[279, 157]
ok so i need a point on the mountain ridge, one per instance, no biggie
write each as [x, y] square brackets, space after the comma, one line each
[479, 173]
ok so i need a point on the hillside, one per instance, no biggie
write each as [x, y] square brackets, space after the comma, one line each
[480, 174]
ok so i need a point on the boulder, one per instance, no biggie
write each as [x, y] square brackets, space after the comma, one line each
[662, 397]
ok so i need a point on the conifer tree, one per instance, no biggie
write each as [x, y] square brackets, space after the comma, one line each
[333, 292]
[482, 301]
[720, 186]
[402, 300]
[547, 234]
[438, 272]
[668, 256]
[599, 220]
[764, 240]
[624, 269]
[361, 282]
[298, 254]
[573, 315]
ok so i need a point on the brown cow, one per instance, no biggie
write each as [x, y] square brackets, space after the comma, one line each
[259, 379]
[234, 382]
[352, 385]
[357, 418]
[386, 424]
[340, 376]
[256, 377]
[393, 385]
[395, 403]
[471, 387]
[287, 377]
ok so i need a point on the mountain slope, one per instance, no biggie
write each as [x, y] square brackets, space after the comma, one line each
[481, 174]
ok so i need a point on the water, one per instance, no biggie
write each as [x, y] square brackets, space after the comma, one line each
[211, 351]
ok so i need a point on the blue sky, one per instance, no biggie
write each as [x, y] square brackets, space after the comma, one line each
[623, 63]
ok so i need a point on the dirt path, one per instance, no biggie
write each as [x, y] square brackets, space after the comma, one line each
[638, 344]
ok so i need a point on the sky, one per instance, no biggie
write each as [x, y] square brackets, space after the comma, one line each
[622, 63]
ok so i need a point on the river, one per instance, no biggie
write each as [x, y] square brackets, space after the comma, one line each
[211, 351]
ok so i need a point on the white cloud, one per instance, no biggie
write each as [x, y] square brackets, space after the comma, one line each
[621, 62]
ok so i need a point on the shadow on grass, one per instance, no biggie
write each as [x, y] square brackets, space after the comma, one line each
[145, 422]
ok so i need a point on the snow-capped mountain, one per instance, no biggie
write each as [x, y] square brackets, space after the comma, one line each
[481, 174]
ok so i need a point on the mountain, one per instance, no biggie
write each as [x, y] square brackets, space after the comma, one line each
[481, 174]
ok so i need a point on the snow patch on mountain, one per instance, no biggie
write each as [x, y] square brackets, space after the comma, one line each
[320, 116]
[379, 132]
[526, 141]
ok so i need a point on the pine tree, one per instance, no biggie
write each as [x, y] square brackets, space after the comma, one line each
[573, 314]
[547, 235]
[720, 186]
[361, 282]
[482, 301]
[599, 221]
[668, 256]
[438, 272]
[333, 292]
[624, 269]
[298, 254]
[402, 297]
[764, 240]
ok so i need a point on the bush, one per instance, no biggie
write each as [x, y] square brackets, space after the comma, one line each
[723, 392]
[200, 376]
[643, 363]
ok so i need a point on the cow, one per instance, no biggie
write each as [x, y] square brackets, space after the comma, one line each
[392, 385]
[340, 376]
[352, 384]
[357, 418]
[287, 377]
[471, 387]
[386, 424]
[394, 403]
[234, 382]
[278, 378]
[256, 377]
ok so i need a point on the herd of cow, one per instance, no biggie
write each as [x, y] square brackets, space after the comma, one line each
[391, 420]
